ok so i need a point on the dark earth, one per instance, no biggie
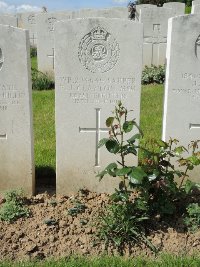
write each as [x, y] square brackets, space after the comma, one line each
[54, 229]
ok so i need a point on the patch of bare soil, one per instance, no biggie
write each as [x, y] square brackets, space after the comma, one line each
[63, 226]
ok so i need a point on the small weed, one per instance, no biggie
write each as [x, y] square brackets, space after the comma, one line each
[78, 208]
[50, 222]
[53, 203]
[153, 185]
[153, 74]
[14, 206]
[41, 81]
[192, 219]
[33, 51]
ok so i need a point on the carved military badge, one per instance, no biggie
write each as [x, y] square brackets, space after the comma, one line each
[98, 51]
[197, 47]
[1, 59]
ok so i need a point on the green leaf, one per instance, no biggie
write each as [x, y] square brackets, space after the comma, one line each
[109, 121]
[162, 144]
[101, 174]
[133, 138]
[128, 126]
[112, 146]
[137, 175]
[111, 166]
[111, 169]
[102, 142]
[123, 171]
[189, 185]
[179, 150]
[194, 160]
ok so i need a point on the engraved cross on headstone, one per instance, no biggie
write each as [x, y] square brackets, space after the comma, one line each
[52, 56]
[98, 130]
[155, 42]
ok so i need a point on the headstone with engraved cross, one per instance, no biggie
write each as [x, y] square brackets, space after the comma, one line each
[16, 132]
[94, 69]
[45, 38]
[181, 117]
[155, 21]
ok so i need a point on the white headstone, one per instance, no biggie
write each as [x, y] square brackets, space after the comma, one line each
[28, 22]
[140, 7]
[194, 4]
[16, 133]
[94, 69]
[155, 21]
[179, 8]
[45, 42]
[195, 9]
[181, 118]
[8, 20]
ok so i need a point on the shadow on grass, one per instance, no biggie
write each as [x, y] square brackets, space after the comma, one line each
[45, 178]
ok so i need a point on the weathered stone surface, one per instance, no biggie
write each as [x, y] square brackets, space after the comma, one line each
[155, 20]
[8, 20]
[16, 143]
[94, 69]
[179, 8]
[181, 118]
[194, 4]
[45, 35]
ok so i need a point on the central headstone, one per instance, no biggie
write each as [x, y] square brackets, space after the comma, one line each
[94, 69]
[16, 133]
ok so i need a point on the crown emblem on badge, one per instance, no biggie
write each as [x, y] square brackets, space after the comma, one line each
[98, 50]
[99, 33]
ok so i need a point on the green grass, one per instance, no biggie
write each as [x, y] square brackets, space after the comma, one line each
[34, 62]
[151, 111]
[187, 9]
[163, 261]
[44, 131]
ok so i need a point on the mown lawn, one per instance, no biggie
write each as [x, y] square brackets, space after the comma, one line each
[163, 261]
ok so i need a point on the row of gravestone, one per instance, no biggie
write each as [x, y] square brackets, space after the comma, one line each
[154, 19]
[94, 69]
